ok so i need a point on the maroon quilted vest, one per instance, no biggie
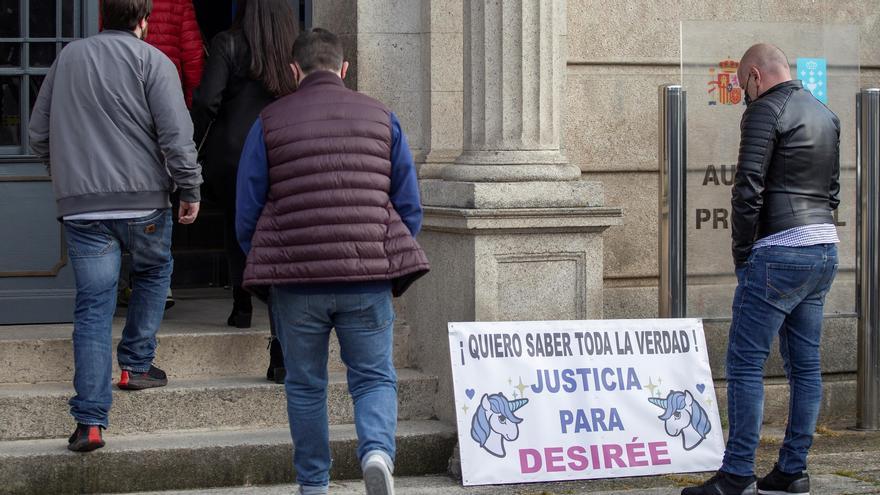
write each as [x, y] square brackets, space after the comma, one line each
[328, 217]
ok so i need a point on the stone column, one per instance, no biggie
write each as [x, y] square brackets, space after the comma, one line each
[443, 91]
[514, 69]
[511, 230]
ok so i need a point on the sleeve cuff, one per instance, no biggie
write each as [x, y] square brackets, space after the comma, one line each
[191, 195]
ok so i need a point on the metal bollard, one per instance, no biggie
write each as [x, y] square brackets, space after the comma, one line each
[673, 198]
[868, 259]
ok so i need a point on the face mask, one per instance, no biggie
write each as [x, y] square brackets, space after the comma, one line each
[747, 98]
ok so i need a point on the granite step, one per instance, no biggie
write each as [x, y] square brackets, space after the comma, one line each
[41, 410]
[194, 341]
[201, 460]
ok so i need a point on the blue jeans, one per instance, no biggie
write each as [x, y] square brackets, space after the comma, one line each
[780, 290]
[95, 250]
[364, 327]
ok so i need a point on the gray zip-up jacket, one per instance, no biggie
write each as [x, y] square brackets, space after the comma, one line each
[111, 122]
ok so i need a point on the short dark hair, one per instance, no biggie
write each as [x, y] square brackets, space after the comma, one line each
[124, 14]
[318, 49]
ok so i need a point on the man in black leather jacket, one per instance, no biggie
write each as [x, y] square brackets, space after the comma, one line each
[785, 251]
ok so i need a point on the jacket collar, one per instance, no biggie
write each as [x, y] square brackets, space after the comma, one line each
[321, 78]
[793, 84]
[117, 32]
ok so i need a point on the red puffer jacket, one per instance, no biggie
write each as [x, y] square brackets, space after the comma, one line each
[173, 29]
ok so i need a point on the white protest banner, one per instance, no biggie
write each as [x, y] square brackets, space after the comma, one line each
[566, 400]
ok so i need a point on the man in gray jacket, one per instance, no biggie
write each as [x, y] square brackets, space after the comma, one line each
[111, 122]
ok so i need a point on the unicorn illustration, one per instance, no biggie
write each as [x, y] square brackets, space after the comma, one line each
[683, 416]
[494, 422]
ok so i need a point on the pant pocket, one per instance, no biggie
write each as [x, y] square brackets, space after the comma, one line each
[377, 311]
[88, 238]
[789, 283]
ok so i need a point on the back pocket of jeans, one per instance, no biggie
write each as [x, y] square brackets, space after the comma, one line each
[377, 311]
[788, 282]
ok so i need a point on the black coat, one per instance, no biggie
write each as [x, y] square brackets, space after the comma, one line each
[788, 173]
[232, 100]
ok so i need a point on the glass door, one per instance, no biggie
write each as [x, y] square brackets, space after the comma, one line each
[826, 58]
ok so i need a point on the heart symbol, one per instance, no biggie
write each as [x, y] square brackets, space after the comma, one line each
[470, 393]
[811, 87]
[701, 387]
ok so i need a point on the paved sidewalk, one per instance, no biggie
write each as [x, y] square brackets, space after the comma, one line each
[842, 462]
[434, 485]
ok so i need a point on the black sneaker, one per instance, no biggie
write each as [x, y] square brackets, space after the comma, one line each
[85, 438]
[139, 381]
[779, 483]
[239, 318]
[724, 484]
[276, 372]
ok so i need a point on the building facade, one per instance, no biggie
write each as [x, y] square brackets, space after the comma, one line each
[534, 125]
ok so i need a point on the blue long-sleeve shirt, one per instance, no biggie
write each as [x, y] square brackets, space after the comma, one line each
[252, 187]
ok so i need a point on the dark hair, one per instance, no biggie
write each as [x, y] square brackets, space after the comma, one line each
[124, 14]
[318, 49]
[270, 28]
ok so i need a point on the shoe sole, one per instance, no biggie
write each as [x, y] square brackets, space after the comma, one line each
[377, 482]
[87, 448]
[780, 492]
[239, 322]
[142, 386]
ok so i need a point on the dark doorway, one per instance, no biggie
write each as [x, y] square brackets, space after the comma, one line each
[200, 259]
[199, 256]
[214, 16]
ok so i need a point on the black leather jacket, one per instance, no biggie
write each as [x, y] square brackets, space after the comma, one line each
[788, 170]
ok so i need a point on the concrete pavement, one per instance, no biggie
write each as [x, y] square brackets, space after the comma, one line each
[842, 462]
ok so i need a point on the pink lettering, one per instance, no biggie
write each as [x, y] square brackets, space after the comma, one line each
[579, 461]
[656, 450]
[634, 451]
[613, 452]
[526, 467]
[555, 461]
[594, 452]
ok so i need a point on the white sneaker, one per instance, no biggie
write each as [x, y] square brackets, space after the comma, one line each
[377, 475]
[313, 490]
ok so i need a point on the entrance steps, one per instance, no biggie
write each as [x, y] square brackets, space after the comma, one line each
[218, 423]
[202, 459]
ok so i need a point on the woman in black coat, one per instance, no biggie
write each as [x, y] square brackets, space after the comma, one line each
[248, 67]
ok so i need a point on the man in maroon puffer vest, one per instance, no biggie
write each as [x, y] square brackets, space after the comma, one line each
[327, 208]
[175, 31]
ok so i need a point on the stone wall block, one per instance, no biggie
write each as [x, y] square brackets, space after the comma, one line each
[631, 249]
[611, 117]
[389, 62]
[338, 16]
[389, 16]
[408, 106]
[445, 121]
[446, 61]
[446, 16]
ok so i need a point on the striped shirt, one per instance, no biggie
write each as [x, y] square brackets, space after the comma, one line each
[805, 235]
